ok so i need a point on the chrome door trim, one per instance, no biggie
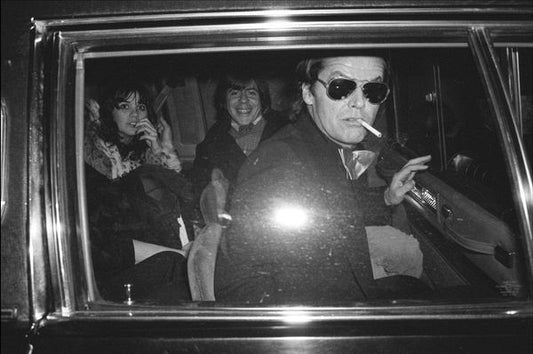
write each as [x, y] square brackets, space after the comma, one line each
[509, 134]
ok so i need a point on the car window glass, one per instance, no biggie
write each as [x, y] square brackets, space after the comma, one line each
[461, 212]
[456, 127]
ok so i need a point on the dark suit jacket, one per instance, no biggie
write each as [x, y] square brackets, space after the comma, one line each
[219, 149]
[325, 259]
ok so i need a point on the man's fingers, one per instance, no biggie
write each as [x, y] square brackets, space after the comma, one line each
[406, 187]
[408, 172]
[418, 161]
[414, 168]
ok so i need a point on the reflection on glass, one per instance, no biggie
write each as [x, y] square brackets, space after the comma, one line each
[290, 216]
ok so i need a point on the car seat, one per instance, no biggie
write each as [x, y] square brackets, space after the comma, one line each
[203, 253]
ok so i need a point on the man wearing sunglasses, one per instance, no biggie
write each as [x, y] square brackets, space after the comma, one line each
[302, 201]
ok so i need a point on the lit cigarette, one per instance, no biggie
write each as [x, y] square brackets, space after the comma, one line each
[370, 128]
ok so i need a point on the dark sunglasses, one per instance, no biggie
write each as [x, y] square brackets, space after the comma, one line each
[339, 89]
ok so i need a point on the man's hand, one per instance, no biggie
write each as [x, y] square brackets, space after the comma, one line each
[402, 181]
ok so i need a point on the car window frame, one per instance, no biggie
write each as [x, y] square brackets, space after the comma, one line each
[60, 48]
[4, 162]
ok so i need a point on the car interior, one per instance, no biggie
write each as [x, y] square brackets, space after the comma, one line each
[462, 211]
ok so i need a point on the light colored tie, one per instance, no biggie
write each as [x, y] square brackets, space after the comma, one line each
[356, 162]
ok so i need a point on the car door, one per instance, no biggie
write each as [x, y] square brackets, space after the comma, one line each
[462, 209]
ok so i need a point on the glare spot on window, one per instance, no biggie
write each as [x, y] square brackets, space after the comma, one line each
[290, 216]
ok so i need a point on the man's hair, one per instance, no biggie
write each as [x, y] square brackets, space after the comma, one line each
[239, 81]
[308, 69]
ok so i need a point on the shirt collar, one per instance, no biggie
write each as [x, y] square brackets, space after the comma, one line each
[236, 125]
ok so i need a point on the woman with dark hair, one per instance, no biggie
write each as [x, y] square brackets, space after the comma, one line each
[134, 193]
[124, 133]
[244, 119]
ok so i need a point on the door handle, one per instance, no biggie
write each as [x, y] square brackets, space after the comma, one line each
[446, 212]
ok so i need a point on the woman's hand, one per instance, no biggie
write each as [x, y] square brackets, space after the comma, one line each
[402, 181]
[149, 134]
[165, 134]
[158, 139]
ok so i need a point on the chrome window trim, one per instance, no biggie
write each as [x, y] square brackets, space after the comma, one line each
[77, 46]
[58, 182]
[509, 134]
[4, 152]
[513, 82]
[92, 292]
[37, 177]
[409, 9]
[385, 310]
[288, 34]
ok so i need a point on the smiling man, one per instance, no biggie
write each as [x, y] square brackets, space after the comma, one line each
[244, 119]
[313, 169]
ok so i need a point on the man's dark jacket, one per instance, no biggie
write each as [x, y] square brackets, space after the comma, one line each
[219, 149]
[325, 259]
